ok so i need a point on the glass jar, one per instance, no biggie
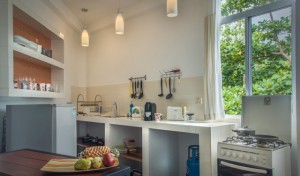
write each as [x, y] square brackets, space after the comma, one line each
[190, 116]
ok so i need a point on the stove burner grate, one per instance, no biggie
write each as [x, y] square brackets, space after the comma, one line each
[271, 145]
[242, 140]
[259, 142]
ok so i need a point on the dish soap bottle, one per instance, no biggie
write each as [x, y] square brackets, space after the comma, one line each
[131, 107]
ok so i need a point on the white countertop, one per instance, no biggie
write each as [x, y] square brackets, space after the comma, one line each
[180, 126]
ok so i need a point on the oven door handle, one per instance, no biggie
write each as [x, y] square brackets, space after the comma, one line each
[249, 169]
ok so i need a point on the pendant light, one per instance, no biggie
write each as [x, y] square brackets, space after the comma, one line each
[172, 10]
[85, 35]
[119, 24]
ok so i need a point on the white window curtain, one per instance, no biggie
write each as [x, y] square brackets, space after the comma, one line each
[214, 108]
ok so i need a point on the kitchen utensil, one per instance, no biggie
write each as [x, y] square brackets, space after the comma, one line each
[170, 94]
[134, 94]
[161, 88]
[166, 83]
[244, 131]
[131, 89]
[174, 85]
[141, 93]
[138, 89]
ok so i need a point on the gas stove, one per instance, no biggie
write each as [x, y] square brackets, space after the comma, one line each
[259, 155]
[252, 142]
[248, 155]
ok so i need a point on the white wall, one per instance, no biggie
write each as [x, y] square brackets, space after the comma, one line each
[152, 43]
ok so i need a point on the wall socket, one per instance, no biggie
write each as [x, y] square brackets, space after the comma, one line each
[267, 100]
[199, 100]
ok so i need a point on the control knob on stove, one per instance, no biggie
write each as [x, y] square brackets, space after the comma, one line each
[241, 156]
[222, 152]
[234, 155]
[247, 157]
[228, 153]
[254, 158]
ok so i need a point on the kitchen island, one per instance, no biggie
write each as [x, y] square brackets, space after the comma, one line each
[29, 162]
[164, 143]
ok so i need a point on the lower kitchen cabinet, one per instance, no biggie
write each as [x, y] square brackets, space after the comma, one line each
[164, 145]
[95, 131]
[118, 135]
[169, 151]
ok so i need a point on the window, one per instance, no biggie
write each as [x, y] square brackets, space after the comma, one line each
[255, 49]
[230, 7]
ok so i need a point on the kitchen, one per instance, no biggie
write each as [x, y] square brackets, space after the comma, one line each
[99, 69]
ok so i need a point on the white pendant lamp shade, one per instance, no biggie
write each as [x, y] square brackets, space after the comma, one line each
[172, 10]
[119, 25]
[85, 38]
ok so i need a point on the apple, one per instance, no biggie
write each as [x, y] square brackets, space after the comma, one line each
[108, 159]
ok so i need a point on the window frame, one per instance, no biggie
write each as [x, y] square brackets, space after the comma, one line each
[247, 16]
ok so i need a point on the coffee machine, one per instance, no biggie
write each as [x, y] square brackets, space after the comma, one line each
[150, 109]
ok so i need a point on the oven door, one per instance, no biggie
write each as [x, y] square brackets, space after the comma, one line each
[230, 168]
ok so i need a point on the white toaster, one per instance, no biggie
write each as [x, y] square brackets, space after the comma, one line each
[175, 113]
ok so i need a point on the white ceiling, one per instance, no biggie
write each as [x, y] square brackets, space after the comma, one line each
[101, 13]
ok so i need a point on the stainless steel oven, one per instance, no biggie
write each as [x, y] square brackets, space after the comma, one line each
[238, 159]
[230, 168]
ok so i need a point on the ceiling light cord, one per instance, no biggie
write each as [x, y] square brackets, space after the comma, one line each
[84, 20]
[119, 6]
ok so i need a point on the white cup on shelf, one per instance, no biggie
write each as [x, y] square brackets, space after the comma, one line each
[48, 87]
[42, 87]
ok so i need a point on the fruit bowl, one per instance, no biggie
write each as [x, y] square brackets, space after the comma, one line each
[67, 166]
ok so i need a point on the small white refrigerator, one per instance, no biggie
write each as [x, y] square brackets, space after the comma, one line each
[44, 127]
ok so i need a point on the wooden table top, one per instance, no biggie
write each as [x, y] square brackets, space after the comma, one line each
[29, 162]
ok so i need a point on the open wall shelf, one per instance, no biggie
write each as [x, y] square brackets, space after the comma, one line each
[21, 63]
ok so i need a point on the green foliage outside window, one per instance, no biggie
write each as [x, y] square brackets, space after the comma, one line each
[271, 55]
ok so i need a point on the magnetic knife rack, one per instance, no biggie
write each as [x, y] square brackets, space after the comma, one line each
[135, 78]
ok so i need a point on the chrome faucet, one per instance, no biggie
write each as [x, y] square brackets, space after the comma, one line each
[80, 95]
[115, 109]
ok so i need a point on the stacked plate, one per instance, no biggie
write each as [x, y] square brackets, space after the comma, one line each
[28, 44]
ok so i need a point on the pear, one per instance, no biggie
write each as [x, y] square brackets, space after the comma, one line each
[82, 164]
[97, 162]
